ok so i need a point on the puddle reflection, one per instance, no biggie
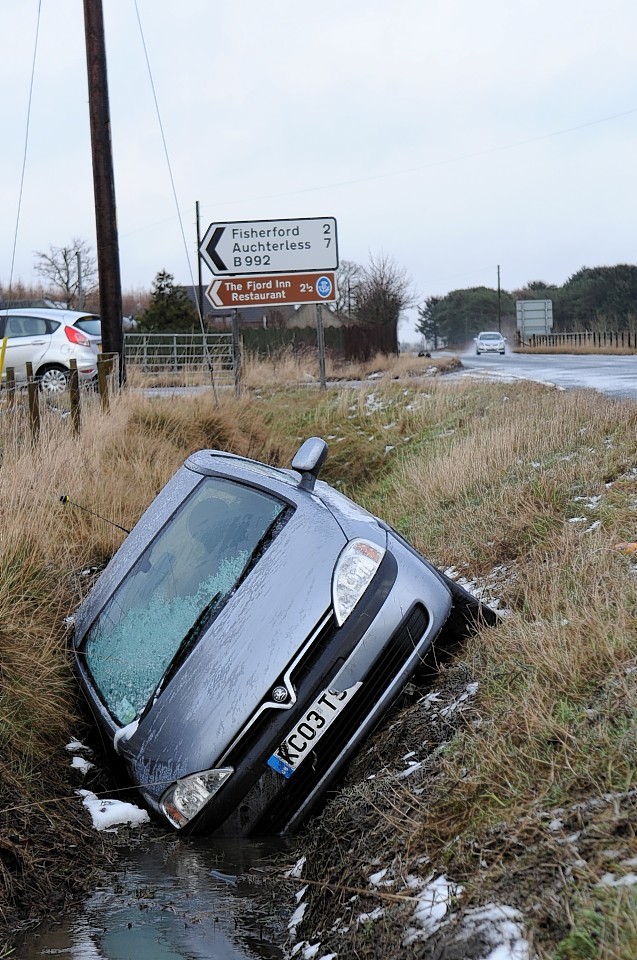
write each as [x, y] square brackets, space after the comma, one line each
[173, 900]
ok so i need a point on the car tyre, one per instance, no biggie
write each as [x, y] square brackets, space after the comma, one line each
[53, 380]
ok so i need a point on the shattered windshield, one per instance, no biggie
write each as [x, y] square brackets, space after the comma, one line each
[193, 564]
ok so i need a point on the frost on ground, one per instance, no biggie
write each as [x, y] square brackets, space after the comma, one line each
[487, 588]
[492, 932]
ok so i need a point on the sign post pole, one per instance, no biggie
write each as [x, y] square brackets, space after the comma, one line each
[320, 339]
[236, 353]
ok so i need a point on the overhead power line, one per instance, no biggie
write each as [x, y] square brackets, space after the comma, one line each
[26, 146]
[174, 192]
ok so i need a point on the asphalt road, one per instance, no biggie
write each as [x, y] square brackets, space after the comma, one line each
[612, 375]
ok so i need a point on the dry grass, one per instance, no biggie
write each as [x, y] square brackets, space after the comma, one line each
[301, 367]
[486, 478]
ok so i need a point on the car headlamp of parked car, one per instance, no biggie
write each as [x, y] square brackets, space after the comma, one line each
[251, 631]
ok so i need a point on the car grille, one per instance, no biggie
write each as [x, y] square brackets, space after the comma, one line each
[295, 791]
[309, 661]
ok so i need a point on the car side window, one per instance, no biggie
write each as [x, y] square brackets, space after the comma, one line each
[25, 326]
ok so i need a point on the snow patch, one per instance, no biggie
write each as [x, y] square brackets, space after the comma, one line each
[433, 904]
[373, 915]
[107, 814]
[376, 878]
[498, 927]
[79, 763]
[296, 918]
[609, 880]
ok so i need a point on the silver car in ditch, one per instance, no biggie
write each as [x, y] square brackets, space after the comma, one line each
[250, 632]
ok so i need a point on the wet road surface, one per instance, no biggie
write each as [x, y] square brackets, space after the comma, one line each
[615, 376]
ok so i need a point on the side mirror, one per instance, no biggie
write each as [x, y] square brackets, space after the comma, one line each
[308, 460]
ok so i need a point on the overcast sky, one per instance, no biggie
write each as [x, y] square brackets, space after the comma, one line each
[450, 135]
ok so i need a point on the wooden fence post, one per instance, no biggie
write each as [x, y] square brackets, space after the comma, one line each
[34, 401]
[103, 369]
[74, 392]
[10, 386]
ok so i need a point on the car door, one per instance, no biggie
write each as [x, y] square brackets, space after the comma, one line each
[28, 340]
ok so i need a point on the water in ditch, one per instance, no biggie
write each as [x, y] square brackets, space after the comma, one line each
[170, 899]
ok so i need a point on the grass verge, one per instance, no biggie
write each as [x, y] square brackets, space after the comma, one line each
[524, 489]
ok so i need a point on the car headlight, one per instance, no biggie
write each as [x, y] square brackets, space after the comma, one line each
[353, 573]
[185, 798]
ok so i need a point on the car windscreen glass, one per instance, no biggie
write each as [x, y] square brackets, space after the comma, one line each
[194, 563]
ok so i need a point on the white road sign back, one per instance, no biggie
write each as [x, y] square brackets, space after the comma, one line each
[271, 246]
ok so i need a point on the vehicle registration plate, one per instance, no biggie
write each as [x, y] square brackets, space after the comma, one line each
[303, 738]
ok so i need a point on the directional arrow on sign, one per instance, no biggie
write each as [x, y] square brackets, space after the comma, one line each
[213, 293]
[211, 249]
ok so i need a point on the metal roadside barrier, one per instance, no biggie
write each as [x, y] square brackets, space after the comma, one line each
[179, 352]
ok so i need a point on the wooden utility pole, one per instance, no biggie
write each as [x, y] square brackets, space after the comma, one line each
[104, 185]
[499, 304]
[199, 278]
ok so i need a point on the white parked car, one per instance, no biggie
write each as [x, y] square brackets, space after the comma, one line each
[49, 339]
[490, 342]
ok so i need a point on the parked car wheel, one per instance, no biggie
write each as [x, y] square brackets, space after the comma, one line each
[53, 380]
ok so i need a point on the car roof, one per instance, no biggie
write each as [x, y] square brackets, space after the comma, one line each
[489, 333]
[49, 313]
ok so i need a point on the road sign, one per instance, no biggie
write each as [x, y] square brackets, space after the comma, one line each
[270, 246]
[266, 290]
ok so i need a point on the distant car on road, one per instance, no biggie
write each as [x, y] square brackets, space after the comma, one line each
[247, 636]
[490, 342]
[49, 339]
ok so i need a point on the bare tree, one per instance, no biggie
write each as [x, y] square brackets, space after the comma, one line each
[70, 272]
[347, 278]
[383, 291]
